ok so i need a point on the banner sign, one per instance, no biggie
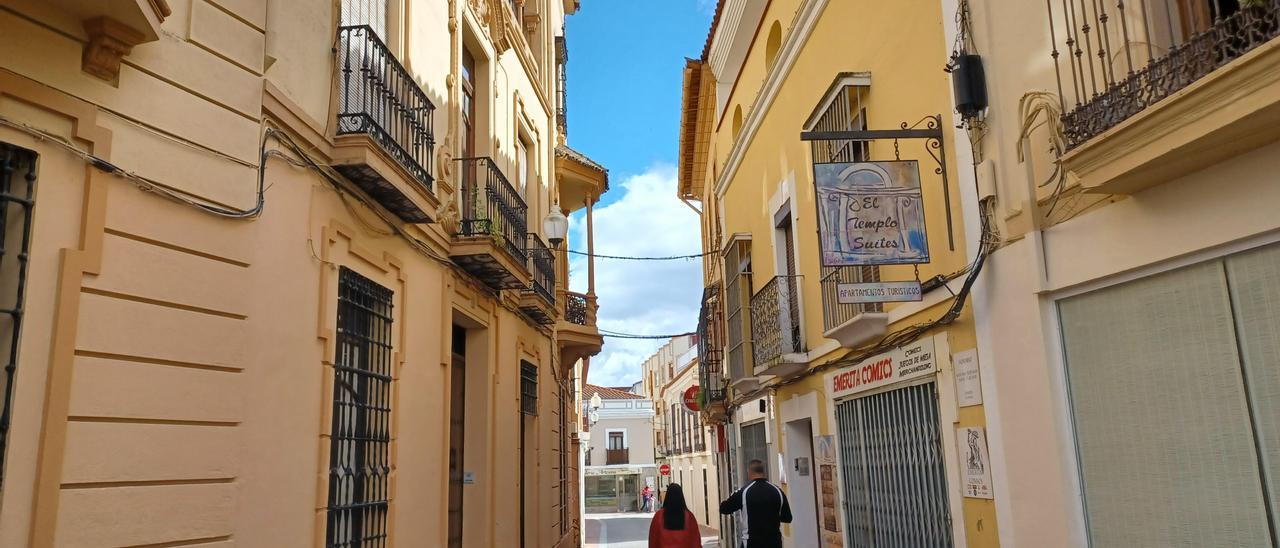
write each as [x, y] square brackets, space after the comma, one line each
[871, 213]
[878, 292]
[909, 362]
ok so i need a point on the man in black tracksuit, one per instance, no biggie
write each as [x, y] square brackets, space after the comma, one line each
[765, 506]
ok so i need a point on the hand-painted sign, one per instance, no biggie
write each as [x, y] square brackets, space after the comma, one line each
[878, 292]
[691, 398]
[871, 213]
[908, 362]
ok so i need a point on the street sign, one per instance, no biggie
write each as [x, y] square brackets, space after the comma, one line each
[691, 398]
[878, 292]
[665, 469]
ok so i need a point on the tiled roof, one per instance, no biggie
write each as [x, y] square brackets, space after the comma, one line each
[607, 393]
[715, 22]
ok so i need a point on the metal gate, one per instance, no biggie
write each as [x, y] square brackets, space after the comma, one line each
[895, 488]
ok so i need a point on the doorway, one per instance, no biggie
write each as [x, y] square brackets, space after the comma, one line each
[803, 489]
[457, 430]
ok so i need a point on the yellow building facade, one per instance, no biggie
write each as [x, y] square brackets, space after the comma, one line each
[277, 274]
[834, 397]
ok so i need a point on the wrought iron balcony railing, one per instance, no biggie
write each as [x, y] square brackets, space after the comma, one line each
[617, 456]
[378, 97]
[835, 313]
[575, 308]
[1122, 58]
[711, 345]
[542, 264]
[775, 321]
[492, 207]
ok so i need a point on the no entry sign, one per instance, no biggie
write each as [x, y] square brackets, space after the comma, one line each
[691, 398]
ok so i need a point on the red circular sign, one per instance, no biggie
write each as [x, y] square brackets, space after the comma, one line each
[691, 398]
[665, 469]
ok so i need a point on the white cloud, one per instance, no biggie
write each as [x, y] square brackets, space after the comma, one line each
[643, 297]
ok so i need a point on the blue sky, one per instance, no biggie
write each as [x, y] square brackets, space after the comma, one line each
[626, 59]
[625, 63]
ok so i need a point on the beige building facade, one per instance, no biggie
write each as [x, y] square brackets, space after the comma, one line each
[277, 274]
[620, 450]
[683, 442]
[1126, 322]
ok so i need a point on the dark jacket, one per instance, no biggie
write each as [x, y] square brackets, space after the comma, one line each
[766, 509]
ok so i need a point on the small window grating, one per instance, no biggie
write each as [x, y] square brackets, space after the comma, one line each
[528, 389]
[359, 459]
[17, 189]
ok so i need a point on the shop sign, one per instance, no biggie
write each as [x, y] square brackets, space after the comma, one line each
[871, 213]
[968, 382]
[975, 462]
[878, 292]
[908, 362]
[691, 398]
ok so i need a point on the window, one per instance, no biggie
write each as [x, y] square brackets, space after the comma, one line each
[528, 388]
[524, 165]
[616, 441]
[360, 439]
[1197, 344]
[17, 187]
[754, 445]
[565, 427]
[737, 268]
[737, 121]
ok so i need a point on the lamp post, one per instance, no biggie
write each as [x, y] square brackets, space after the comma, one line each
[556, 226]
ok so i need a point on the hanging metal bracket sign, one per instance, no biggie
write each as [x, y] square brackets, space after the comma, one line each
[871, 212]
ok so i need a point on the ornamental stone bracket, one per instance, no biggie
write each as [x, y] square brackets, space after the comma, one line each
[493, 22]
[109, 41]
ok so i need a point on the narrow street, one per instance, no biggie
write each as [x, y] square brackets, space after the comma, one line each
[629, 530]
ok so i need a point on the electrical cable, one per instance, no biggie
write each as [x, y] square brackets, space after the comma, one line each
[659, 258]
[617, 335]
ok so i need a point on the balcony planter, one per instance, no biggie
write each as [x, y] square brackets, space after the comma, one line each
[863, 328]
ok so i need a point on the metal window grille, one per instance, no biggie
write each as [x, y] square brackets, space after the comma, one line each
[895, 487]
[711, 344]
[564, 458]
[775, 321]
[528, 388]
[562, 99]
[17, 189]
[844, 114]
[360, 442]
[737, 267]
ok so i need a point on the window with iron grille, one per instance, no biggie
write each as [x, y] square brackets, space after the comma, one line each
[845, 113]
[564, 458]
[528, 388]
[360, 440]
[17, 187]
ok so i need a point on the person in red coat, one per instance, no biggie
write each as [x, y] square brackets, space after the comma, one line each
[674, 526]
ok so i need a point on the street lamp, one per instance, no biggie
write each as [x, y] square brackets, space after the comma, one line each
[594, 415]
[556, 226]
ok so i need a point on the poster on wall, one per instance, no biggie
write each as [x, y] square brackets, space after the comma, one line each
[975, 463]
[871, 213]
[824, 455]
[968, 381]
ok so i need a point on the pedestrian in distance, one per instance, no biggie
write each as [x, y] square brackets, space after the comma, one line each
[764, 505]
[675, 526]
[646, 498]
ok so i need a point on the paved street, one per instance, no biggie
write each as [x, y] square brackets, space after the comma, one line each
[629, 531]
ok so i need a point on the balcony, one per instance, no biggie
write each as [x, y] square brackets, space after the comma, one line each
[617, 456]
[578, 336]
[1152, 95]
[775, 328]
[711, 355]
[539, 300]
[384, 139]
[491, 242]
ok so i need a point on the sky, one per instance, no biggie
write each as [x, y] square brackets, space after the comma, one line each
[626, 59]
